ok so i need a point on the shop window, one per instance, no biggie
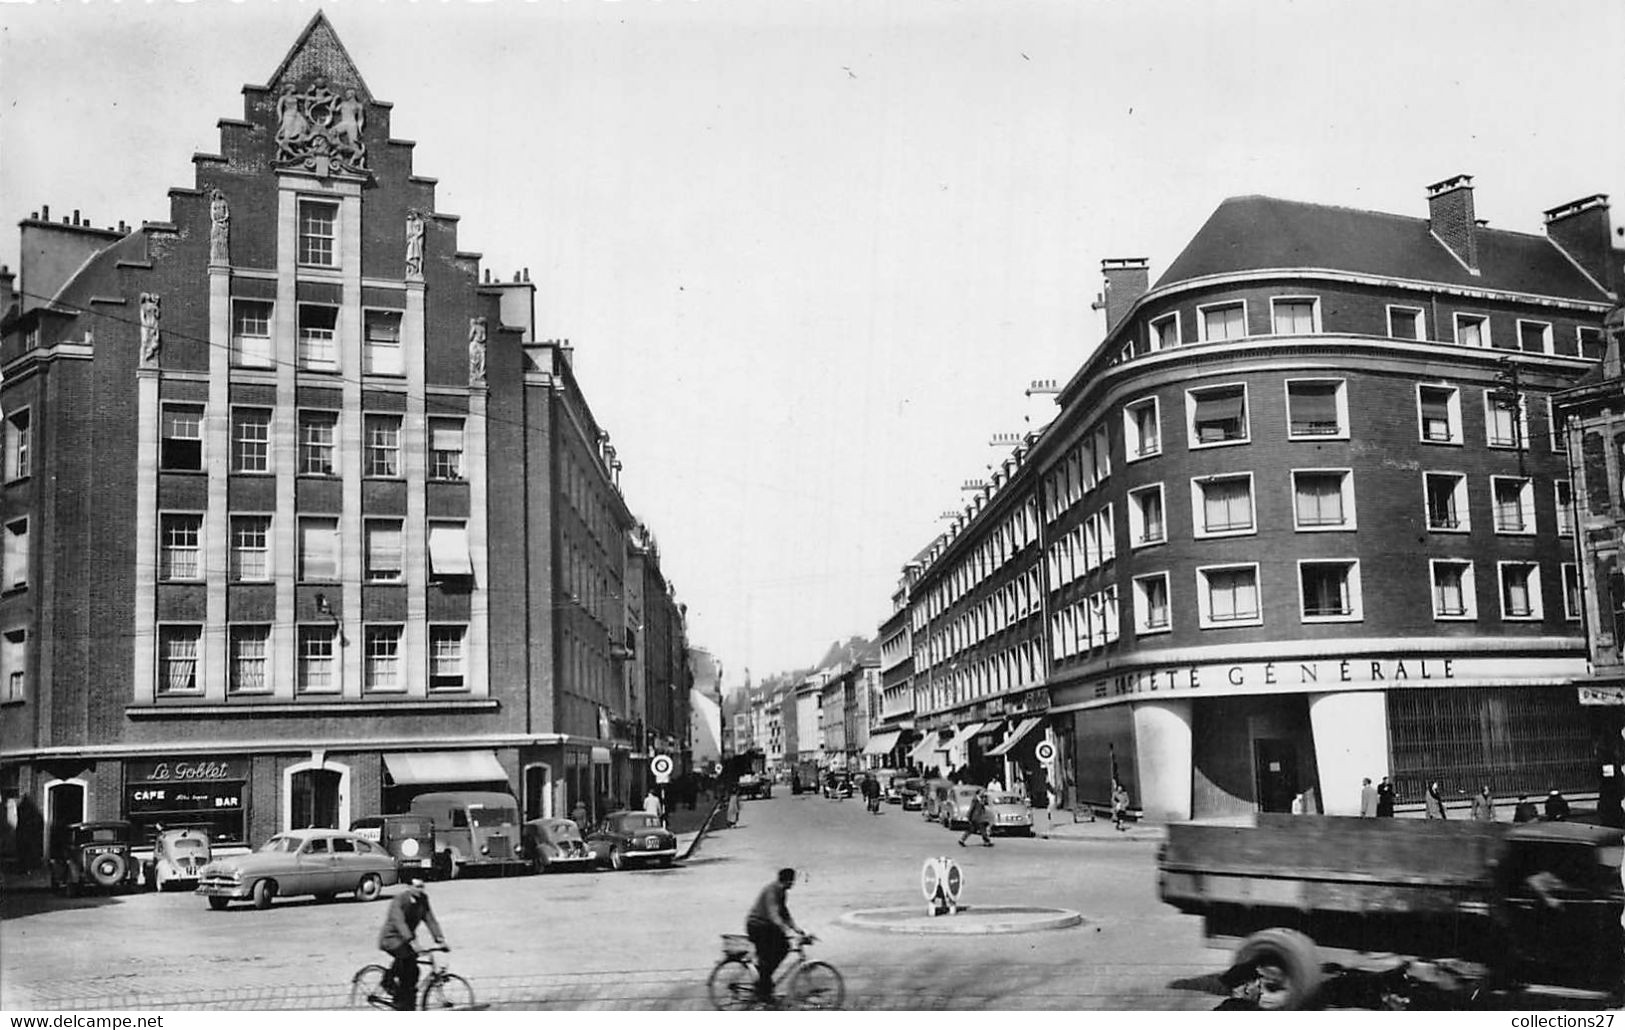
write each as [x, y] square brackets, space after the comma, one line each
[181, 448]
[1453, 590]
[1446, 502]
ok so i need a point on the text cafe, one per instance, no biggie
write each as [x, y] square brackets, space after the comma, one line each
[209, 794]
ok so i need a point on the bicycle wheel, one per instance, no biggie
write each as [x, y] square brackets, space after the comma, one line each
[816, 985]
[446, 991]
[367, 988]
[732, 986]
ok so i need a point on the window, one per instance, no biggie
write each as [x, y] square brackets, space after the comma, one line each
[448, 551]
[318, 333]
[445, 448]
[250, 650]
[381, 355]
[446, 670]
[1102, 452]
[383, 445]
[1565, 507]
[1165, 332]
[383, 668]
[178, 552]
[1589, 339]
[1142, 430]
[1514, 500]
[250, 548]
[1572, 602]
[1329, 590]
[317, 228]
[1520, 590]
[1439, 408]
[1505, 421]
[1146, 525]
[1323, 499]
[1218, 415]
[318, 550]
[1227, 595]
[1223, 321]
[1446, 501]
[317, 673]
[1294, 316]
[14, 571]
[14, 656]
[1473, 330]
[1405, 323]
[1453, 596]
[19, 445]
[177, 660]
[1316, 408]
[1151, 604]
[251, 333]
[250, 440]
[317, 430]
[383, 551]
[182, 444]
[1222, 504]
[1534, 337]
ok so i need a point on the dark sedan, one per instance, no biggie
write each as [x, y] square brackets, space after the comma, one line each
[632, 838]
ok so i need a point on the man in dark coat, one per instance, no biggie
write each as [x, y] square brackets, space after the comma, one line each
[1385, 799]
[976, 820]
[398, 937]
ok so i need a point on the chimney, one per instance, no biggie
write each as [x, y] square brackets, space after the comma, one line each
[1580, 229]
[1127, 279]
[1450, 216]
[7, 293]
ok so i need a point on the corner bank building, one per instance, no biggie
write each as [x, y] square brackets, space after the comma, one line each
[299, 518]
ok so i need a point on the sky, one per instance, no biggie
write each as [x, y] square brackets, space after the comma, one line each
[812, 254]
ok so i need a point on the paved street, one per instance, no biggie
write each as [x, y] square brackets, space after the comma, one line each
[647, 939]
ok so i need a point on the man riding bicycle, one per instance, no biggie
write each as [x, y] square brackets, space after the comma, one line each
[769, 927]
[398, 937]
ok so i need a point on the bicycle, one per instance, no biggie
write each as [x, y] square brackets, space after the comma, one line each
[441, 989]
[805, 985]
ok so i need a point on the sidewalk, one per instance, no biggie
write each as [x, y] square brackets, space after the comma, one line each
[1065, 828]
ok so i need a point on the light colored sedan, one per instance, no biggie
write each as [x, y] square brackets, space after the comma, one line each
[1009, 813]
[322, 863]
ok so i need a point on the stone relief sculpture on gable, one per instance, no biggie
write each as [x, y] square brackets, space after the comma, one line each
[219, 229]
[150, 340]
[414, 244]
[476, 352]
[320, 131]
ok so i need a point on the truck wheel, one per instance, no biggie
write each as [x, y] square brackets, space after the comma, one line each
[1288, 963]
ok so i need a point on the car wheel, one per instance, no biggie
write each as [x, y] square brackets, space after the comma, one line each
[264, 893]
[109, 870]
[218, 904]
[1288, 960]
[617, 861]
[369, 888]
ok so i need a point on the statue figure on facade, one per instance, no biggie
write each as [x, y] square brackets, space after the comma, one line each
[351, 118]
[292, 128]
[414, 244]
[150, 340]
[219, 229]
[476, 352]
[318, 130]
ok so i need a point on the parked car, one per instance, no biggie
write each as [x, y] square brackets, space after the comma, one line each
[1010, 813]
[321, 863]
[934, 794]
[755, 785]
[891, 788]
[92, 855]
[626, 838]
[838, 785]
[473, 828]
[913, 794]
[409, 838]
[954, 809]
[178, 859]
[554, 844]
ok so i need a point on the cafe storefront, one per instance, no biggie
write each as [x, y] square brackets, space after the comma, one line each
[209, 794]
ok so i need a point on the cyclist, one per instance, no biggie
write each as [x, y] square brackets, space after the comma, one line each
[769, 927]
[408, 908]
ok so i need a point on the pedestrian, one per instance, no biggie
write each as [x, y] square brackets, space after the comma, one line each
[1557, 807]
[1433, 802]
[1119, 806]
[995, 786]
[653, 806]
[1040, 799]
[579, 814]
[1368, 799]
[733, 807]
[1385, 799]
[1524, 811]
[1483, 805]
[398, 938]
[976, 820]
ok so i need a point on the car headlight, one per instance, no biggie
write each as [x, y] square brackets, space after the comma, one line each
[485, 849]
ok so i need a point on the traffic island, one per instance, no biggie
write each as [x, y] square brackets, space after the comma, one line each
[968, 919]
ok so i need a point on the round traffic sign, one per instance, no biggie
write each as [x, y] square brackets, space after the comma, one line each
[1045, 751]
[660, 765]
[929, 878]
[953, 881]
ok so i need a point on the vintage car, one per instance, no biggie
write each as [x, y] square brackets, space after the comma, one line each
[755, 785]
[408, 837]
[321, 863]
[838, 785]
[1008, 812]
[178, 858]
[92, 855]
[629, 838]
[554, 845]
[953, 810]
[933, 793]
[891, 787]
[912, 790]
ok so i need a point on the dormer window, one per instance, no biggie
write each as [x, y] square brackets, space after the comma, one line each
[1294, 316]
[1165, 331]
[1224, 321]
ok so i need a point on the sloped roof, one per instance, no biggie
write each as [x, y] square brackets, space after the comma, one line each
[318, 51]
[1255, 232]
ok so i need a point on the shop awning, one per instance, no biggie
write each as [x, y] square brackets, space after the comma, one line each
[925, 750]
[448, 551]
[989, 728]
[600, 756]
[966, 732]
[882, 743]
[444, 767]
[1026, 727]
